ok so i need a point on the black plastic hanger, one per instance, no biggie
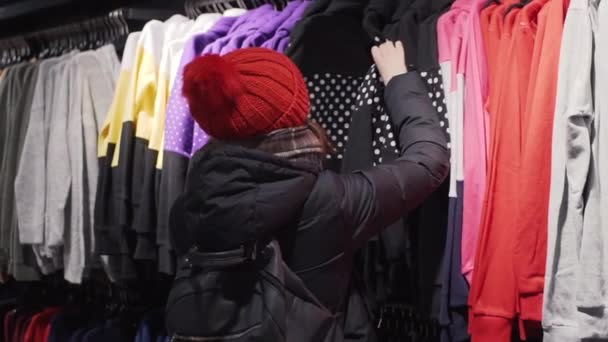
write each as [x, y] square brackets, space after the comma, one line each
[124, 24]
[187, 9]
[108, 28]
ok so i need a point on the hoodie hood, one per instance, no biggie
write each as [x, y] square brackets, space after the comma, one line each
[234, 195]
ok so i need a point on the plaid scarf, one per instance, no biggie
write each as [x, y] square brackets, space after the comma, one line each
[299, 145]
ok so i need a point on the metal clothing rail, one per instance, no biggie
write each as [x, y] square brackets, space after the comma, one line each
[11, 11]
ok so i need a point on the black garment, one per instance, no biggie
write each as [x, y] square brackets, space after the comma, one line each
[404, 264]
[455, 290]
[234, 194]
[66, 323]
[333, 27]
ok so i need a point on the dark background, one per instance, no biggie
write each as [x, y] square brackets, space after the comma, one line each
[23, 16]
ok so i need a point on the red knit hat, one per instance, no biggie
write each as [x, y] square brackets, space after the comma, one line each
[245, 93]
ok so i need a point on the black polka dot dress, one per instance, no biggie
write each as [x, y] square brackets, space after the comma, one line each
[370, 98]
[333, 100]
[434, 83]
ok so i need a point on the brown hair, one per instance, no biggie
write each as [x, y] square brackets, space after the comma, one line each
[321, 134]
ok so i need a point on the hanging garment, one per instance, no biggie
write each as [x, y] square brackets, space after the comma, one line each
[451, 29]
[30, 194]
[246, 23]
[333, 76]
[178, 139]
[392, 265]
[145, 247]
[280, 39]
[37, 328]
[256, 19]
[535, 173]
[16, 93]
[123, 142]
[574, 243]
[145, 218]
[476, 135]
[266, 28]
[594, 255]
[493, 298]
[131, 113]
[236, 39]
[250, 29]
[109, 236]
[91, 80]
[57, 170]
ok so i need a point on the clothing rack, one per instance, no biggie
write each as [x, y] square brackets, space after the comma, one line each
[89, 33]
[20, 8]
[194, 8]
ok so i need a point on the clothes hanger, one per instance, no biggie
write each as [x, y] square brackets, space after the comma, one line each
[81, 36]
[3, 53]
[50, 44]
[123, 23]
[23, 48]
[108, 30]
[9, 52]
[188, 9]
[95, 34]
[116, 25]
[65, 40]
[120, 31]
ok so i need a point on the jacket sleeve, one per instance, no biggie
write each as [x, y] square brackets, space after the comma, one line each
[375, 198]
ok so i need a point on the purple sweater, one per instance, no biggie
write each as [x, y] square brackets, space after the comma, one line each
[262, 18]
[280, 39]
[243, 25]
[268, 28]
[178, 123]
[254, 20]
[251, 29]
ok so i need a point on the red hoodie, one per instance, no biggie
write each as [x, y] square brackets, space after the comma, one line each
[37, 328]
[535, 172]
[494, 294]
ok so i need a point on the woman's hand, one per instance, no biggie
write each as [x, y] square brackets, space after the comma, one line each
[390, 60]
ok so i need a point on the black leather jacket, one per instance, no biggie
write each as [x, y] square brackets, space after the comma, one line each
[236, 194]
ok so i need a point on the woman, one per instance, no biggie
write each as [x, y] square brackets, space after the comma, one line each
[262, 175]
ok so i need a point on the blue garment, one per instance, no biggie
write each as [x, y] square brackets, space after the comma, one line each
[90, 335]
[453, 315]
[79, 334]
[63, 326]
[111, 331]
[152, 327]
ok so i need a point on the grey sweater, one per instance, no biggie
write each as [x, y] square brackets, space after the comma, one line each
[575, 284]
[16, 94]
[92, 78]
[31, 184]
[57, 177]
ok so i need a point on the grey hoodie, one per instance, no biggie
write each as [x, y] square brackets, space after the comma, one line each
[575, 284]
